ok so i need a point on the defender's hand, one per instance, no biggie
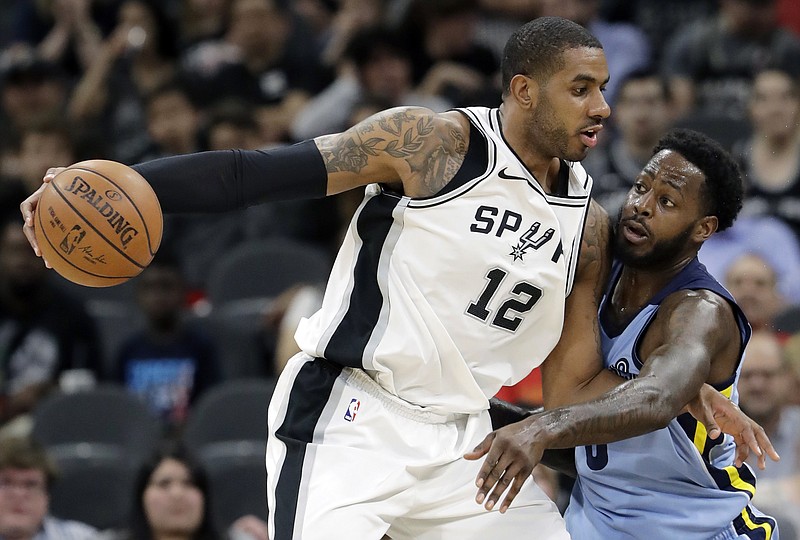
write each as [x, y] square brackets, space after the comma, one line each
[511, 454]
[720, 414]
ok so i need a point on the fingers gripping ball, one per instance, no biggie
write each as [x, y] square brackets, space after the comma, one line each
[98, 223]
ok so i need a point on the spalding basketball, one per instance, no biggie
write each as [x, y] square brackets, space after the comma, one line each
[98, 223]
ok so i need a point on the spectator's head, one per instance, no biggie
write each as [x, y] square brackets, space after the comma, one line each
[791, 354]
[765, 379]
[642, 111]
[153, 32]
[44, 143]
[447, 26]
[31, 87]
[173, 121]
[21, 271]
[161, 291]
[232, 124]
[754, 284]
[26, 473]
[171, 498]
[382, 62]
[775, 105]
[581, 11]
[259, 28]
[689, 189]
[749, 18]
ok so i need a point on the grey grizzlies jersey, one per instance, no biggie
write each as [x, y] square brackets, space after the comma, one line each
[674, 482]
[443, 300]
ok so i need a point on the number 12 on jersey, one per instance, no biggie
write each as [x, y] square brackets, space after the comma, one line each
[522, 297]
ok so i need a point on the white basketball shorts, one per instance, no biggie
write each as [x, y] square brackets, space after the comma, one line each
[346, 459]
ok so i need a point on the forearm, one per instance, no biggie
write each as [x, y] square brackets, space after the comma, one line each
[225, 180]
[633, 408]
[504, 413]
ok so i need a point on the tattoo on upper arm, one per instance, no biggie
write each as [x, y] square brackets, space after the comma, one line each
[595, 255]
[432, 151]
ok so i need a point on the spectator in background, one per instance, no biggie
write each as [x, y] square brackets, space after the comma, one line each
[173, 121]
[753, 283]
[642, 115]
[764, 388]
[266, 58]
[791, 351]
[47, 140]
[352, 16]
[31, 88]
[658, 20]
[626, 47]
[64, 32]
[380, 68]
[172, 499]
[26, 475]
[138, 57]
[749, 235]
[711, 63]
[765, 385]
[201, 20]
[43, 332]
[171, 362]
[447, 58]
[770, 157]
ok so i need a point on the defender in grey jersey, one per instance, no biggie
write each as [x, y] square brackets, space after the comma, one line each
[460, 272]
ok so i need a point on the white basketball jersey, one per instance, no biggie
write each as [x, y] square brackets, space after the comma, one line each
[445, 299]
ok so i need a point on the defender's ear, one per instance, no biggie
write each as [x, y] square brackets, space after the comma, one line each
[705, 228]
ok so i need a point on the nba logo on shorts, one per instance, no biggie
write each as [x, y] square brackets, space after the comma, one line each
[352, 409]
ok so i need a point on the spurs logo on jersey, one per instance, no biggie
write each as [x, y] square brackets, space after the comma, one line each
[529, 240]
[445, 299]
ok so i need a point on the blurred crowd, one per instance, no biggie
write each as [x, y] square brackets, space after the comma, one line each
[132, 80]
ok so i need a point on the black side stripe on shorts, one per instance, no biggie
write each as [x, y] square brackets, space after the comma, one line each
[315, 379]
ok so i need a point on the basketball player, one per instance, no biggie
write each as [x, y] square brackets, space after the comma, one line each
[454, 278]
[667, 326]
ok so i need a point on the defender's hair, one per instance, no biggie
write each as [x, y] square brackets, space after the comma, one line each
[723, 189]
[536, 49]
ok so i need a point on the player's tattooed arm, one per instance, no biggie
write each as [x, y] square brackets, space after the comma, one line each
[410, 149]
[575, 361]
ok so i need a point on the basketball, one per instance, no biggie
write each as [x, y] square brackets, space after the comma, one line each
[98, 223]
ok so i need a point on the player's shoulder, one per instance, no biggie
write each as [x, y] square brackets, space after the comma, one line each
[704, 304]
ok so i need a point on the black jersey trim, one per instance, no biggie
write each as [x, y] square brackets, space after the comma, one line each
[475, 168]
[348, 342]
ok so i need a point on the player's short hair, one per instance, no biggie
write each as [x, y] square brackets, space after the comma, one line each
[536, 49]
[723, 189]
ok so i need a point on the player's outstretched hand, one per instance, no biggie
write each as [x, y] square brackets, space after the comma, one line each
[511, 454]
[28, 206]
[720, 414]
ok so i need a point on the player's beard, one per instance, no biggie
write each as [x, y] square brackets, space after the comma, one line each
[550, 137]
[661, 253]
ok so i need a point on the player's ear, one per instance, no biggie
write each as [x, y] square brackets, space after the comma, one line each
[524, 90]
[705, 228]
